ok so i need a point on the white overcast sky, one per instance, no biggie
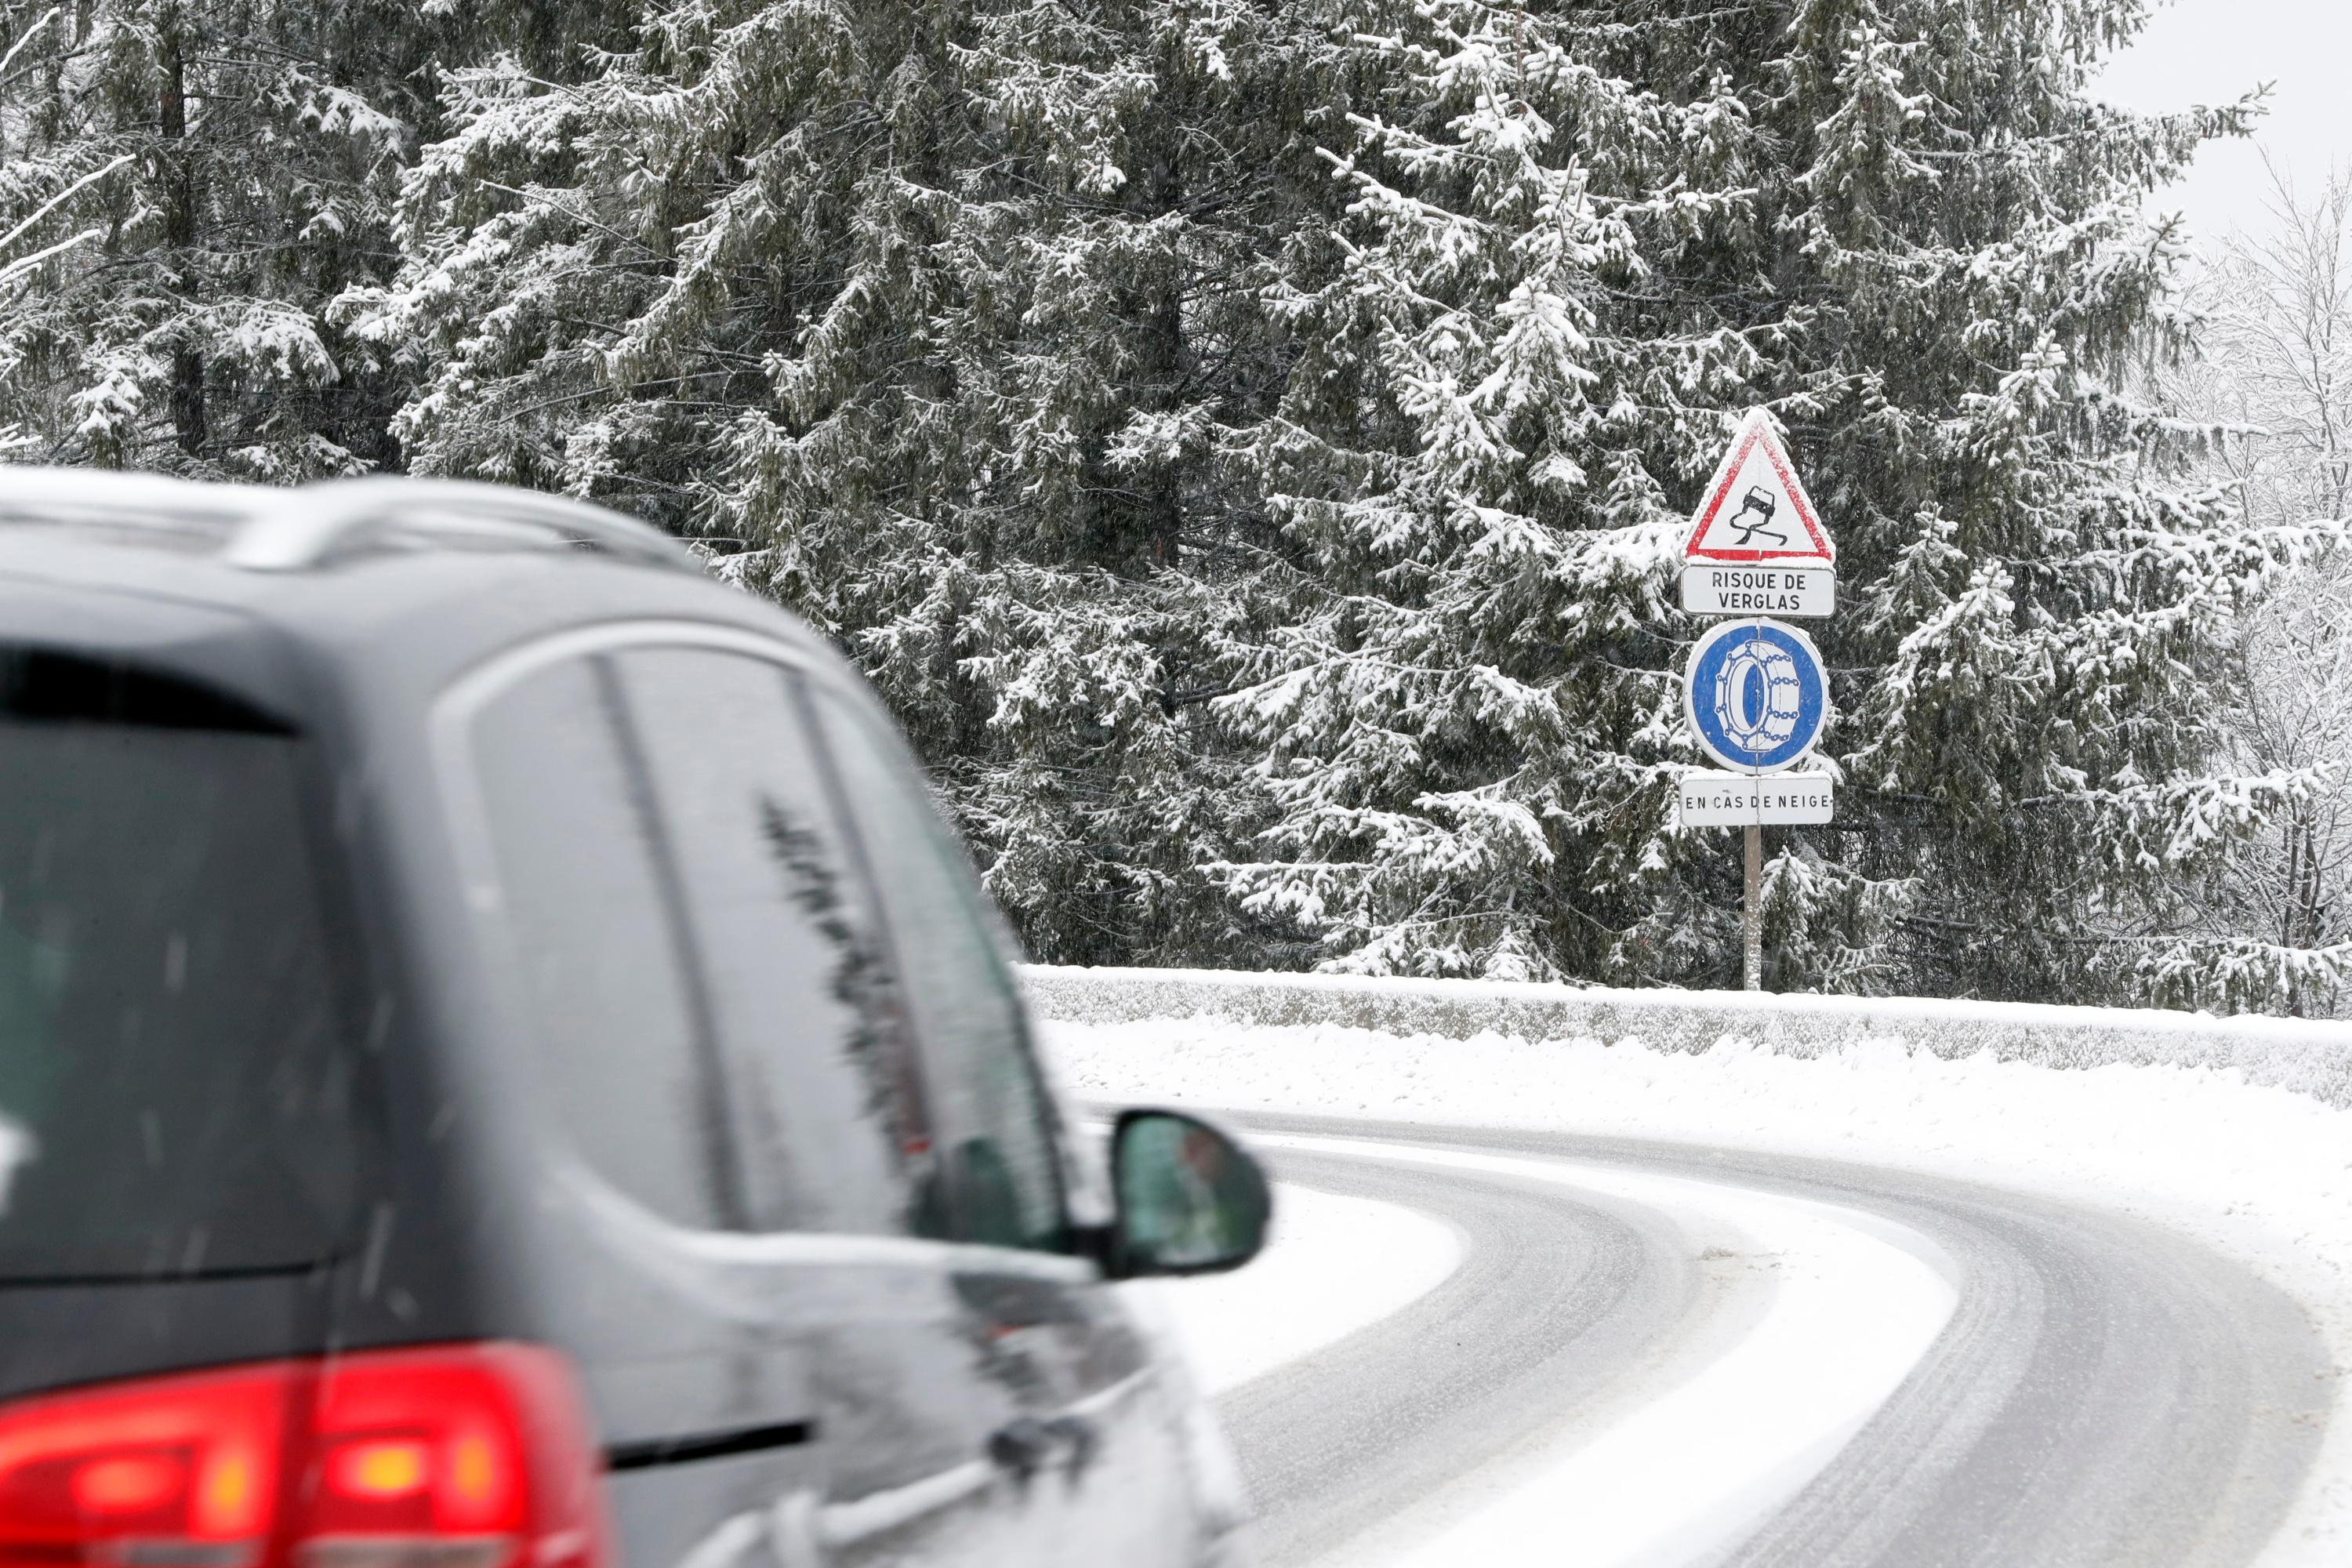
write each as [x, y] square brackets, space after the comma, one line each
[2211, 51]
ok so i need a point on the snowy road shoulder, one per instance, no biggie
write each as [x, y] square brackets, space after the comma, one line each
[1334, 1265]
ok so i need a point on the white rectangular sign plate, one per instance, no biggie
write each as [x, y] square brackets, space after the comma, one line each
[1798, 590]
[1741, 800]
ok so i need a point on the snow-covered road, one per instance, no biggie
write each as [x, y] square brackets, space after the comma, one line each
[2148, 1269]
[1651, 1354]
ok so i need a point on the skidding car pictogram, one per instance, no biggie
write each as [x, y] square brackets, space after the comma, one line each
[1757, 499]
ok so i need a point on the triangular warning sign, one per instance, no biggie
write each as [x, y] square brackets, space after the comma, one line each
[1754, 508]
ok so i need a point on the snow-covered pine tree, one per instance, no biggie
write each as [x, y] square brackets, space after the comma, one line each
[928, 320]
[2044, 591]
[184, 184]
[1462, 702]
[1908, 227]
[2267, 923]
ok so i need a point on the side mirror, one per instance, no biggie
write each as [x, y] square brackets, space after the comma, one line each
[1190, 1199]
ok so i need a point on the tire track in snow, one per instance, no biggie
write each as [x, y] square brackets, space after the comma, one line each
[1554, 1294]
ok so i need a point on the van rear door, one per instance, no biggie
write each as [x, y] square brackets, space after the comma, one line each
[177, 1148]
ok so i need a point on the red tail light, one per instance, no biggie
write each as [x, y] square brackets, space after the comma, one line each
[453, 1457]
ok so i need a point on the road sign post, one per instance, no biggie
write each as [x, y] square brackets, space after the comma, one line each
[1751, 912]
[1756, 691]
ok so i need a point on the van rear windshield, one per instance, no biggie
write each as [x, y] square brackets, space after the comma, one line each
[174, 1095]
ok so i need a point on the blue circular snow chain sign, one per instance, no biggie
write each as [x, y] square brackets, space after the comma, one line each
[1757, 695]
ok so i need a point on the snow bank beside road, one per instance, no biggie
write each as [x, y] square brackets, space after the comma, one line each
[2311, 1058]
[2255, 1171]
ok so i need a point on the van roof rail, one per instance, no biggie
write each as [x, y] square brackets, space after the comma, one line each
[257, 528]
[314, 523]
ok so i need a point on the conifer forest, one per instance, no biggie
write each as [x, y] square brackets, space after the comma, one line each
[1248, 443]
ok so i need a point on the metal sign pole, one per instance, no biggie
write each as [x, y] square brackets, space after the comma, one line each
[1752, 920]
[1751, 908]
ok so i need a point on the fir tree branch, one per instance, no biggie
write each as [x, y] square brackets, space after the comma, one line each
[53, 203]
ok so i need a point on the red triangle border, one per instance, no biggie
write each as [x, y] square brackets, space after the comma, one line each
[1757, 430]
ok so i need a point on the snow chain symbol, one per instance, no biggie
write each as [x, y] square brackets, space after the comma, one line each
[1757, 695]
[1760, 695]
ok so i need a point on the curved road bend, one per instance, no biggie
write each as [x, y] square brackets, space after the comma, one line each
[2105, 1394]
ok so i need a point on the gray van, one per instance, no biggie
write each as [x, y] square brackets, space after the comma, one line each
[502, 1067]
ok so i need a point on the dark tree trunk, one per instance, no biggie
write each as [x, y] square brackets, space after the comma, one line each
[180, 236]
[1164, 361]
